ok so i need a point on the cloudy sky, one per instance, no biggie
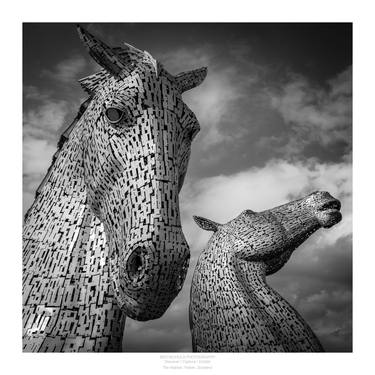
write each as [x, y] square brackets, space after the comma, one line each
[275, 113]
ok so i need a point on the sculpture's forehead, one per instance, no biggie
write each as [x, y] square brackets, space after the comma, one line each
[254, 227]
[140, 81]
[246, 219]
[250, 220]
[136, 81]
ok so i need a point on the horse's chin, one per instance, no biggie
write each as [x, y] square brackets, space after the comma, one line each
[144, 312]
[144, 316]
[143, 305]
[328, 212]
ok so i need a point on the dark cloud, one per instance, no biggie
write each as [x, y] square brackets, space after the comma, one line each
[67, 70]
[315, 114]
[170, 333]
[318, 282]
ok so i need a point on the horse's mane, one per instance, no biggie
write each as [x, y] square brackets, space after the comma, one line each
[62, 140]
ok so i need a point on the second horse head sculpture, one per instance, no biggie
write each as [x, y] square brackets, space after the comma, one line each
[232, 308]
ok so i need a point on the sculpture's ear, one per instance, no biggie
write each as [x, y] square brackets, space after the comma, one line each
[188, 80]
[206, 224]
[104, 55]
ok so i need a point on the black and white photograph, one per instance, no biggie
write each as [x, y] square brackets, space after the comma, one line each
[132, 130]
[187, 187]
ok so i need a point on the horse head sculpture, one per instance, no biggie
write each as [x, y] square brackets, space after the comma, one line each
[136, 150]
[232, 308]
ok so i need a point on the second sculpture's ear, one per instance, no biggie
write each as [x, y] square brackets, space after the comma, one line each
[206, 224]
[188, 80]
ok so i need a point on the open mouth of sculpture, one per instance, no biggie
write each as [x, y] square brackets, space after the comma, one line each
[329, 214]
[333, 204]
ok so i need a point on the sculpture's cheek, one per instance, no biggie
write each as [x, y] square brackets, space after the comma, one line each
[267, 240]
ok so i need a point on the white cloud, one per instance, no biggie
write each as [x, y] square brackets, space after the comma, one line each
[212, 104]
[41, 125]
[44, 120]
[31, 92]
[37, 155]
[30, 183]
[67, 71]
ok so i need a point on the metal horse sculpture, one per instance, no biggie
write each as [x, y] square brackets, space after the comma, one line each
[103, 237]
[232, 309]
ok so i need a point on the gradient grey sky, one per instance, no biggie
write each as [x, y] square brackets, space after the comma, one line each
[276, 124]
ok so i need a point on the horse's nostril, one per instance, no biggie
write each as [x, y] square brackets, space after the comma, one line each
[135, 266]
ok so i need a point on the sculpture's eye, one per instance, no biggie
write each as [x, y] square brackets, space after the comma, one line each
[114, 115]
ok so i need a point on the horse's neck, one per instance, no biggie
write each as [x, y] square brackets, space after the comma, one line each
[219, 304]
[67, 300]
[288, 328]
[235, 309]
